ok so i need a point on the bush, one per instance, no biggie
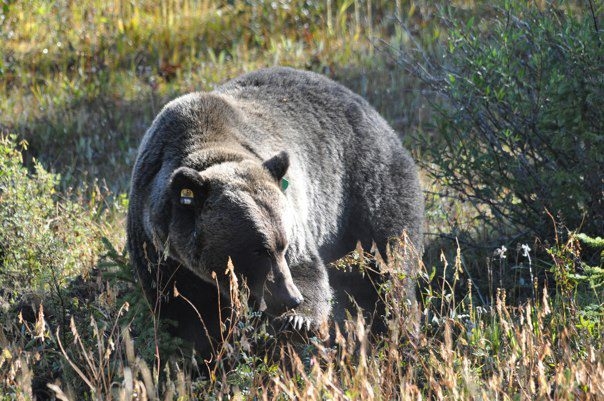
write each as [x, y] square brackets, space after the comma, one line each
[520, 132]
[45, 238]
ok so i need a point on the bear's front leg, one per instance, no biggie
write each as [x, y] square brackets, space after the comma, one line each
[311, 278]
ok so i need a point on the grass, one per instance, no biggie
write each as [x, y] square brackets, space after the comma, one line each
[80, 82]
[536, 350]
[90, 77]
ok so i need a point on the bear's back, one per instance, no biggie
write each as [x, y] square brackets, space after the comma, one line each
[290, 83]
[302, 97]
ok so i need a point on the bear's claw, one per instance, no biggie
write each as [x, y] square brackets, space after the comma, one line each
[296, 322]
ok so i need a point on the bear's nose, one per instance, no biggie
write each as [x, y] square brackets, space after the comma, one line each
[295, 302]
[284, 295]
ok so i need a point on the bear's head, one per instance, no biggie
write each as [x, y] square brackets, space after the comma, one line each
[236, 210]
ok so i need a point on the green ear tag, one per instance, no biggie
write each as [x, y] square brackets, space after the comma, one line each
[284, 184]
[186, 196]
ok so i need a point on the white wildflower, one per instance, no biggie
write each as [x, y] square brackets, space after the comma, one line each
[501, 252]
[525, 251]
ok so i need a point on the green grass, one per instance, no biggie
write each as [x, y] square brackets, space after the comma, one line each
[80, 82]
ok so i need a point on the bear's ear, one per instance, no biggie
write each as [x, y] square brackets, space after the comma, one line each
[277, 165]
[187, 188]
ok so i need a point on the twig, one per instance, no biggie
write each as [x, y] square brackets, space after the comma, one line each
[73, 365]
[595, 20]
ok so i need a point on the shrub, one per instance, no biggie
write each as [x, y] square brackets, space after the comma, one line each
[520, 131]
[45, 238]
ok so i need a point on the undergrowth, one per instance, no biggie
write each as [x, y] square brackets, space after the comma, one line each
[544, 348]
[516, 94]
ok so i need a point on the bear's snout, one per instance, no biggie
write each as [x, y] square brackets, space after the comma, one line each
[283, 296]
[281, 292]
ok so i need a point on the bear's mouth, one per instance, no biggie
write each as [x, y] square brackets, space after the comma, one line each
[285, 321]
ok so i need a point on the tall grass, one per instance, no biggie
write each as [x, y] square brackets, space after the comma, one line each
[496, 351]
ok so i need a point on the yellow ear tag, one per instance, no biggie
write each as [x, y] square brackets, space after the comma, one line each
[186, 196]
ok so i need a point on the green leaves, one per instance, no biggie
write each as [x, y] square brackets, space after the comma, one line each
[524, 104]
[43, 241]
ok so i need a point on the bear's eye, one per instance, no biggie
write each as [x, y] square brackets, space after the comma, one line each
[281, 247]
[262, 252]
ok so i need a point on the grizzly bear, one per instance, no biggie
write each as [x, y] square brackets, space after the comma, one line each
[282, 171]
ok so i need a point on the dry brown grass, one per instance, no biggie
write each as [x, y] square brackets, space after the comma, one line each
[533, 351]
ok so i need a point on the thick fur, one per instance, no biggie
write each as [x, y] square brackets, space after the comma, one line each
[349, 177]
